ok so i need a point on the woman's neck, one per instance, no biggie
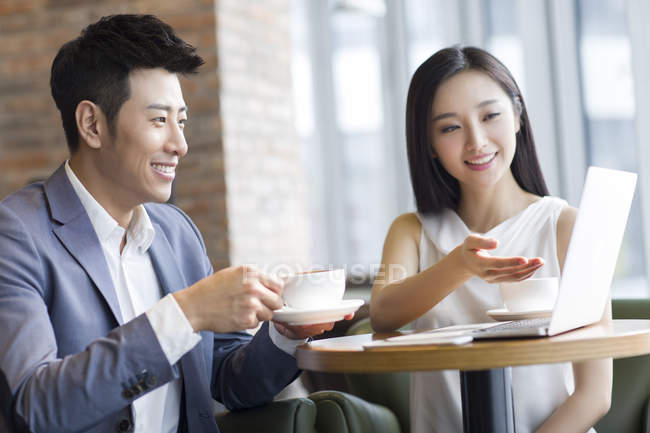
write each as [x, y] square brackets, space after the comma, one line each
[482, 209]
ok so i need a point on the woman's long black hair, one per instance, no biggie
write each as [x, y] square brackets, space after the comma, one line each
[434, 188]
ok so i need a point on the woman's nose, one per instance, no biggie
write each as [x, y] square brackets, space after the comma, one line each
[475, 138]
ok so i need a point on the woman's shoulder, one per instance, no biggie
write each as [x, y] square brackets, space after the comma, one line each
[407, 223]
[564, 228]
[405, 228]
[409, 218]
[565, 221]
[565, 213]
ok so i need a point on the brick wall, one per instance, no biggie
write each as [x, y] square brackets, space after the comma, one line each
[32, 142]
[266, 194]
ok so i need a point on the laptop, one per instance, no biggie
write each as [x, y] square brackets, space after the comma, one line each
[590, 260]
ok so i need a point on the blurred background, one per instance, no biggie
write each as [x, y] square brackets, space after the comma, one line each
[297, 153]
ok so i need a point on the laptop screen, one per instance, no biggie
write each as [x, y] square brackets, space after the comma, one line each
[593, 249]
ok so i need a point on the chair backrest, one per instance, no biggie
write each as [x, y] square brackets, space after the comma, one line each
[387, 389]
[631, 387]
[296, 415]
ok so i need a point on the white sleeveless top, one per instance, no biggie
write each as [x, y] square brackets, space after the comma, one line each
[537, 390]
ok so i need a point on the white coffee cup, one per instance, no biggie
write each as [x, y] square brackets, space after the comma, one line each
[533, 294]
[314, 289]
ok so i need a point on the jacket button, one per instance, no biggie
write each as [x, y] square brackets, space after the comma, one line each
[124, 426]
[150, 381]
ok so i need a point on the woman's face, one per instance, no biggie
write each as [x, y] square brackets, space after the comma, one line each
[473, 129]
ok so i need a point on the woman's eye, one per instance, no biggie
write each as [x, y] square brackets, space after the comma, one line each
[159, 119]
[492, 116]
[182, 123]
[448, 129]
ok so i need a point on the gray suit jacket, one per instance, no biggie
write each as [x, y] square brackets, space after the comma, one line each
[71, 362]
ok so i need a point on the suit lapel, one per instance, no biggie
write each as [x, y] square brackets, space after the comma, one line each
[73, 228]
[169, 273]
[76, 233]
[172, 279]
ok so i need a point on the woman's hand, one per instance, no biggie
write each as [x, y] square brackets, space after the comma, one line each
[476, 259]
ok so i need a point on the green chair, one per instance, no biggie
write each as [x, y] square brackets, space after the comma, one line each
[296, 415]
[631, 387]
[376, 403]
[340, 412]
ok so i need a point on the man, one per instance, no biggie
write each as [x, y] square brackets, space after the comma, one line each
[112, 318]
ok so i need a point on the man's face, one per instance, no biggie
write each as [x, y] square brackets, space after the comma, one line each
[138, 162]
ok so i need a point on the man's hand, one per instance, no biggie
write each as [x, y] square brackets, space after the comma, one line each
[296, 332]
[232, 299]
[477, 261]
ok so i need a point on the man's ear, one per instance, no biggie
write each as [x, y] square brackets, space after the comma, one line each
[91, 123]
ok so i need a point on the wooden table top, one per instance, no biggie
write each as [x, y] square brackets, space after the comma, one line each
[615, 339]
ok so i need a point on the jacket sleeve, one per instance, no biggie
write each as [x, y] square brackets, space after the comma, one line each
[252, 374]
[74, 392]
[246, 372]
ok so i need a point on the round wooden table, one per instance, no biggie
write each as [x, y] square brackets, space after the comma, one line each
[484, 365]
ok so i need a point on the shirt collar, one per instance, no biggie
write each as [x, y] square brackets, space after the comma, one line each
[140, 230]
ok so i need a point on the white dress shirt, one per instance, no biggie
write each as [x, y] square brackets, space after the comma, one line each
[138, 291]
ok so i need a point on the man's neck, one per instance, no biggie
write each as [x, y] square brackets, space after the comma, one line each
[88, 177]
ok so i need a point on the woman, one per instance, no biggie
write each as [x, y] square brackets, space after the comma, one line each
[484, 217]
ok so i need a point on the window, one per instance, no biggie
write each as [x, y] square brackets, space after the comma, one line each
[502, 37]
[574, 61]
[609, 116]
[345, 149]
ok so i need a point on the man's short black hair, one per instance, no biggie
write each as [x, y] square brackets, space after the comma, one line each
[96, 65]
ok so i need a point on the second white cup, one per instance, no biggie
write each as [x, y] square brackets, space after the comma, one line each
[533, 294]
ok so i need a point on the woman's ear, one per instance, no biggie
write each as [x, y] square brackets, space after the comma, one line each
[90, 123]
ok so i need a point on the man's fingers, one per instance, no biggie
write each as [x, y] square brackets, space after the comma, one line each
[316, 329]
[269, 298]
[272, 282]
[264, 314]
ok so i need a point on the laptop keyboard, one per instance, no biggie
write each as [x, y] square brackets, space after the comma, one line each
[540, 322]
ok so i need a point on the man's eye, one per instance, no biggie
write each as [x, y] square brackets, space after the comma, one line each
[159, 119]
[492, 116]
[182, 122]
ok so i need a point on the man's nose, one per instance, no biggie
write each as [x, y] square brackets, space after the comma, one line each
[176, 142]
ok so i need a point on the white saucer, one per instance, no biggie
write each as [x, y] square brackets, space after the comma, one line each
[502, 314]
[318, 315]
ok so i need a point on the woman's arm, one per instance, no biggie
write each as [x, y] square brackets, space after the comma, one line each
[401, 293]
[593, 379]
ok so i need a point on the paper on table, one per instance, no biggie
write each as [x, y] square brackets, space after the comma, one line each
[445, 339]
[447, 331]
[455, 334]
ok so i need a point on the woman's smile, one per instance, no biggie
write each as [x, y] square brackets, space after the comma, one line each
[481, 162]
